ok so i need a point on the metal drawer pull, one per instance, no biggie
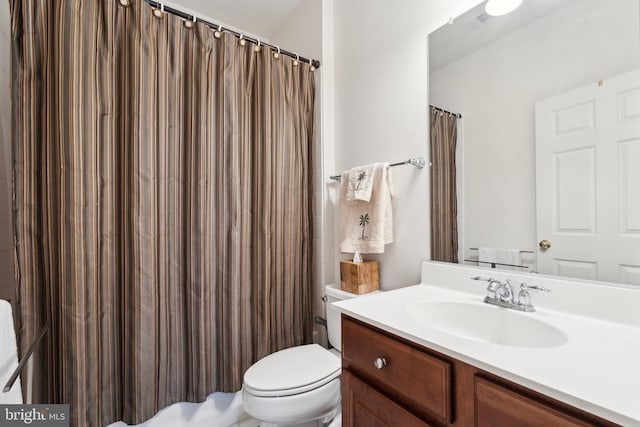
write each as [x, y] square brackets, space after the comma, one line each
[380, 362]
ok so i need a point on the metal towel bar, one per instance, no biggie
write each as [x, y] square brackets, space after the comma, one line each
[418, 162]
[493, 264]
[522, 251]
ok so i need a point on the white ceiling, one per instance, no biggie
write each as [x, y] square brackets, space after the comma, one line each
[475, 29]
[255, 17]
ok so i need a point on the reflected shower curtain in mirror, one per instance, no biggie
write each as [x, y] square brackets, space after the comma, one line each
[444, 209]
[162, 205]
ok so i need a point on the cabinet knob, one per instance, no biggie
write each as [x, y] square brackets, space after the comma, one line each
[380, 362]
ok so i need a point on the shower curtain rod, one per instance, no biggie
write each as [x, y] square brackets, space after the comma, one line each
[418, 162]
[159, 5]
[442, 110]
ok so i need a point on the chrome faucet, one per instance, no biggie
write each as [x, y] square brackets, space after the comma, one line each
[504, 291]
[502, 294]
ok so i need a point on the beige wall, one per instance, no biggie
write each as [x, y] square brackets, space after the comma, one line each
[6, 239]
[381, 107]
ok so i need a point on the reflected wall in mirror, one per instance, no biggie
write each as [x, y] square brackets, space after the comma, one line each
[548, 146]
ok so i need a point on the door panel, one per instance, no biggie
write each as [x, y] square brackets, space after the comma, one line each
[630, 274]
[629, 160]
[575, 188]
[580, 269]
[588, 181]
[575, 118]
[629, 102]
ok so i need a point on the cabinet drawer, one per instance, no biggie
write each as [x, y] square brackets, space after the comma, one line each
[364, 406]
[418, 379]
[499, 406]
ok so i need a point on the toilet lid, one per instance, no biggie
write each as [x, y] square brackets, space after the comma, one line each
[292, 371]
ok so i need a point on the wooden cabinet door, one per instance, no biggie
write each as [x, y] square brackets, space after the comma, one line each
[415, 378]
[498, 406]
[363, 406]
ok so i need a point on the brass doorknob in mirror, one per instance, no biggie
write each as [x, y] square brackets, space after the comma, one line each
[544, 244]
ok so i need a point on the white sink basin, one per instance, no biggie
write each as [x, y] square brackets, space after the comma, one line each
[486, 323]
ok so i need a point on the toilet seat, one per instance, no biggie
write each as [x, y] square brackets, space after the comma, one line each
[292, 371]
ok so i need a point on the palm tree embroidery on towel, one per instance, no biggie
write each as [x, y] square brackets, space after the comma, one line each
[364, 220]
[361, 176]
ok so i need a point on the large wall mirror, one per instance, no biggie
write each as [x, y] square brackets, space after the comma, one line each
[535, 139]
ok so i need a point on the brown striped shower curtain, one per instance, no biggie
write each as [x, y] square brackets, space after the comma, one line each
[162, 205]
[444, 204]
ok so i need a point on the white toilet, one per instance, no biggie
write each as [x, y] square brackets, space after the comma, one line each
[299, 385]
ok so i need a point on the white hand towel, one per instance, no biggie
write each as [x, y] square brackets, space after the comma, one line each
[361, 182]
[367, 227]
[8, 356]
[500, 257]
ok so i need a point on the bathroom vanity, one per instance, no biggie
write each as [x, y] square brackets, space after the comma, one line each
[416, 386]
[493, 367]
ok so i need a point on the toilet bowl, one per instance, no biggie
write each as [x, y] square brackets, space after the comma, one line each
[298, 386]
[293, 386]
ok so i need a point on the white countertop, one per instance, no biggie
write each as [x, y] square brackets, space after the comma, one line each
[597, 370]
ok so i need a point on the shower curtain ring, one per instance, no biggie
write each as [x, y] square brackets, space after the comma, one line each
[276, 55]
[191, 23]
[158, 13]
[242, 40]
[218, 32]
[297, 60]
[257, 47]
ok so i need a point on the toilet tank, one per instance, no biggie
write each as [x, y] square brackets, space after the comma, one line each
[335, 294]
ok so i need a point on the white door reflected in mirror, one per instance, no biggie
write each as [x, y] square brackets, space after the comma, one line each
[493, 71]
[587, 175]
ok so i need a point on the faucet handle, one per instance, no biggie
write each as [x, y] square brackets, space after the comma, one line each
[537, 288]
[492, 285]
[524, 299]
